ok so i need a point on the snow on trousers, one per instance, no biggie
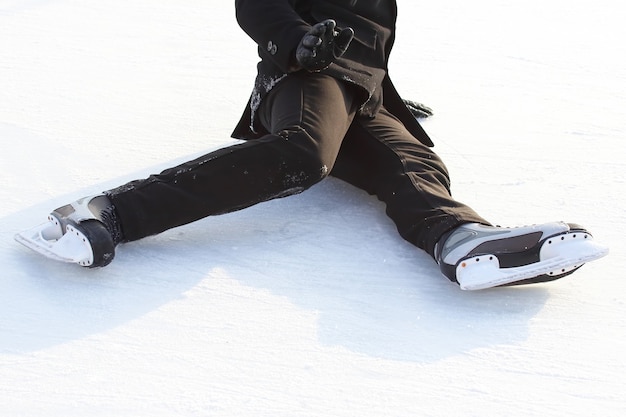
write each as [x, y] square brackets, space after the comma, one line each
[315, 132]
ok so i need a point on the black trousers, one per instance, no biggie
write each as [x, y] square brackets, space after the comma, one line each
[315, 132]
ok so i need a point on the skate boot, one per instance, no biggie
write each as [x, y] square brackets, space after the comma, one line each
[83, 232]
[478, 256]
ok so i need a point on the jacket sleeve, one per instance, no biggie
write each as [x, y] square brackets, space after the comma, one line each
[275, 26]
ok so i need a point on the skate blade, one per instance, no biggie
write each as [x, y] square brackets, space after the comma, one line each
[48, 240]
[558, 256]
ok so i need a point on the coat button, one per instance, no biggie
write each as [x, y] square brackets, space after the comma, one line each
[271, 48]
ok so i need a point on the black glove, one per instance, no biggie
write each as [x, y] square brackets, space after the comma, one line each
[419, 110]
[323, 44]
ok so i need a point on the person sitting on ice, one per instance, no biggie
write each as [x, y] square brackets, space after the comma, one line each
[322, 104]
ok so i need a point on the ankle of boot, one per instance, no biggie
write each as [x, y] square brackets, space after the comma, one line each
[105, 211]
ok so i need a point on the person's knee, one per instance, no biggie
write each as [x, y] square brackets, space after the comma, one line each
[307, 161]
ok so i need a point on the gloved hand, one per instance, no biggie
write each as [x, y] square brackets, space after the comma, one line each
[322, 45]
[419, 110]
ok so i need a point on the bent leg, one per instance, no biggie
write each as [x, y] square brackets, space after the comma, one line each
[308, 117]
[381, 157]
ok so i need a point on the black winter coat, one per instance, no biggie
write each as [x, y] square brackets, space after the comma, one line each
[277, 26]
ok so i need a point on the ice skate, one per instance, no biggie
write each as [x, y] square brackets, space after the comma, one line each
[83, 232]
[478, 256]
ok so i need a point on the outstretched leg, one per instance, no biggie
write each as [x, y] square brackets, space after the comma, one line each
[307, 118]
[381, 157]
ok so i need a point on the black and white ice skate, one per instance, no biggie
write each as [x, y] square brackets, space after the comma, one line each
[84, 232]
[478, 256]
